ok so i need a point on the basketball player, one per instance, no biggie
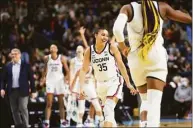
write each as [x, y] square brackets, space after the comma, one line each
[55, 83]
[91, 95]
[103, 58]
[147, 58]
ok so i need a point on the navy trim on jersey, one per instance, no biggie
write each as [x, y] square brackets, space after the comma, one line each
[132, 13]
[159, 10]
[101, 51]
[110, 50]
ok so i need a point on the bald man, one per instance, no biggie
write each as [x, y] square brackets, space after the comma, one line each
[55, 83]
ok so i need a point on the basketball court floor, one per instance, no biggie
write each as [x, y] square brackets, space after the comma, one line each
[164, 123]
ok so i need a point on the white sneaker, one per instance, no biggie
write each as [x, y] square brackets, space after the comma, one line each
[45, 125]
[80, 125]
[64, 124]
[89, 125]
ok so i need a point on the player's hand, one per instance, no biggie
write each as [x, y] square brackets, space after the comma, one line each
[126, 51]
[82, 30]
[33, 95]
[133, 91]
[70, 88]
[67, 79]
[42, 81]
[2, 93]
[82, 94]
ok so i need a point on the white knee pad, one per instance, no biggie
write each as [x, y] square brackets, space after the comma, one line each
[96, 105]
[109, 110]
[144, 103]
[154, 100]
[81, 106]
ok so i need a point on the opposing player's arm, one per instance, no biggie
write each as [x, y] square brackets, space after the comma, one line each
[66, 68]
[85, 68]
[175, 15]
[114, 50]
[125, 15]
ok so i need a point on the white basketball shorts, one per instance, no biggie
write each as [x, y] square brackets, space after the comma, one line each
[155, 66]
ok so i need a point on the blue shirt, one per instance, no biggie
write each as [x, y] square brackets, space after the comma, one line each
[16, 71]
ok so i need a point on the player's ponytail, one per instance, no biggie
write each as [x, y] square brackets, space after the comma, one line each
[151, 23]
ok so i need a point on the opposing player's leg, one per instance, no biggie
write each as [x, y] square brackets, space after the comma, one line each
[154, 96]
[144, 105]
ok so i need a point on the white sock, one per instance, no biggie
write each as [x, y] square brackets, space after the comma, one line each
[47, 121]
[154, 100]
[98, 119]
[143, 124]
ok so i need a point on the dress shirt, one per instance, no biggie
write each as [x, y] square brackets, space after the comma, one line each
[16, 71]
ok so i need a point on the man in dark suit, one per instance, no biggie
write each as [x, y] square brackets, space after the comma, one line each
[18, 82]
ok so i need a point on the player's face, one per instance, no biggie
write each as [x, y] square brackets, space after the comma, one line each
[79, 50]
[53, 49]
[102, 36]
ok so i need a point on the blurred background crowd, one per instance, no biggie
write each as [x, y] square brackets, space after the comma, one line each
[35, 24]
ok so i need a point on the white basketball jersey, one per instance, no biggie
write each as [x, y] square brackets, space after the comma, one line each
[135, 27]
[104, 64]
[54, 70]
[77, 64]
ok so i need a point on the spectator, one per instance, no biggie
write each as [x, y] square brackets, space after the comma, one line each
[183, 96]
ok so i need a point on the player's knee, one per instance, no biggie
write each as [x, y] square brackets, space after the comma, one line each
[81, 106]
[109, 110]
[96, 105]
[49, 105]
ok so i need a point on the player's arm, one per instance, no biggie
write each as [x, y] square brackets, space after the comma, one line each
[66, 68]
[175, 15]
[74, 80]
[114, 50]
[82, 31]
[85, 68]
[44, 73]
[125, 15]
[71, 69]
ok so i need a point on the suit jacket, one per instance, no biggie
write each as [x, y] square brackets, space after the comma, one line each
[26, 79]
